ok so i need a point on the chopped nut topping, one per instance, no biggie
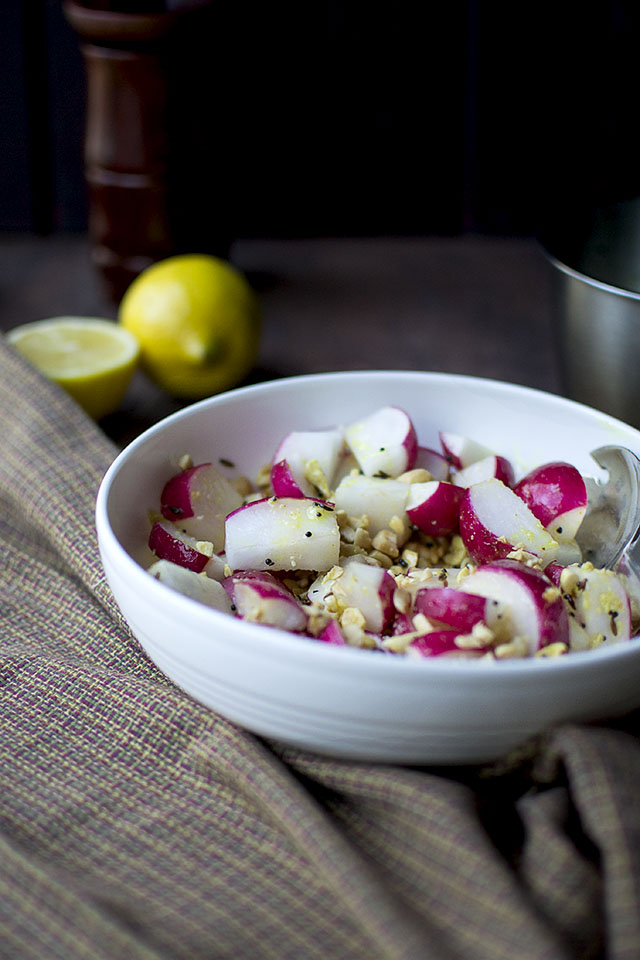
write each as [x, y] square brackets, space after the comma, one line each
[517, 647]
[243, 486]
[551, 594]
[569, 579]
[385, 541]
[362, 539]
[205, 547]
[480, 636]
[419, 475]
[314, 473]
[263, 478]
[402, 600]
[552, 650]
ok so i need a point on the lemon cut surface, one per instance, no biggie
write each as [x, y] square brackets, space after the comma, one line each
[92, 359]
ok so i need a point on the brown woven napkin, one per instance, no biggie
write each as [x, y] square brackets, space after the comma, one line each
[135, 823]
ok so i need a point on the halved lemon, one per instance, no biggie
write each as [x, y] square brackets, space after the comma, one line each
[92, 359]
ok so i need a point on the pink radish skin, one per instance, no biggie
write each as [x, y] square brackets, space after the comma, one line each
[384, 443]
[380, 499]
[436, 463]
[194, 585]
[532, 609]
[456, 609]
[169, 543]
[498, 468]
[554, 572]
[494, 521]
[284, 482]
[440, 643]
[369, 588]
[434, 507]
[557, 495]
[261, 598]
[332, 634]
[199, 499]
[461, 451]
[283, 533]
[402, 623]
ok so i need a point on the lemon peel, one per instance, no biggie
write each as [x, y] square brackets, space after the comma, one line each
[197, 321]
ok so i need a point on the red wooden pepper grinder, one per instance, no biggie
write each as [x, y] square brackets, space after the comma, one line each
[138, 212]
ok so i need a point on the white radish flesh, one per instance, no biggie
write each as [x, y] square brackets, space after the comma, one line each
[433, 461]
[301, 451]
[197, 586]
[283, 533]
[498, 468]
[370, 589]
[380, 499]
[198, 500]
[494, 521]
[384, 443]
[462, 451]
[533, 607]
[556, 494]
[434, 507]
[598, 606]
[261, 598]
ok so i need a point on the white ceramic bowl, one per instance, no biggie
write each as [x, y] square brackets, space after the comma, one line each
[340, 701]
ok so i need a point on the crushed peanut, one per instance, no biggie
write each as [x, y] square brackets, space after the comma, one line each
[552, 650]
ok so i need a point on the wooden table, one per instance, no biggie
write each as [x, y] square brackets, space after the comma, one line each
[470, 304]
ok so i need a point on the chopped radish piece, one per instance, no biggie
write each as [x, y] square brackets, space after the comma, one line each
[199, 499]
[533, 606]
[434, 507]
[490, 467]
[332, 634]
[402, 623]
[370, 588]
[599, 608]
[283, 533]
[458, 609]
[461, 451]
[286, 482]
[494, 521]
[557, 495]
[305, 463]
[169, 543]
[433, 461]
[197, 586]
[440, 643]
[384, 443]
[380, 499]
[261, 598]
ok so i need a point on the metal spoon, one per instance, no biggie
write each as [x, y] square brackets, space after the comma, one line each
[609, 535]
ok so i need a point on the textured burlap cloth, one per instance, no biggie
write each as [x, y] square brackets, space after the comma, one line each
[135, 823]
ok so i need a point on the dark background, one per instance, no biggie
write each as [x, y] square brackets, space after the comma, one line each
[348, 118]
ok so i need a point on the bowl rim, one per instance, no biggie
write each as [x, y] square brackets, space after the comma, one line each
[368, 662]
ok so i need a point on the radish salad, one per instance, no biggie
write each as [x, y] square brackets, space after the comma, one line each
[360, 536]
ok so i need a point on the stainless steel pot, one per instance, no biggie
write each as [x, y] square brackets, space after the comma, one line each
[596, 262]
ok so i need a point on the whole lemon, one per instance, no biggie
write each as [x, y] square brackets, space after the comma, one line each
[197, 321]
